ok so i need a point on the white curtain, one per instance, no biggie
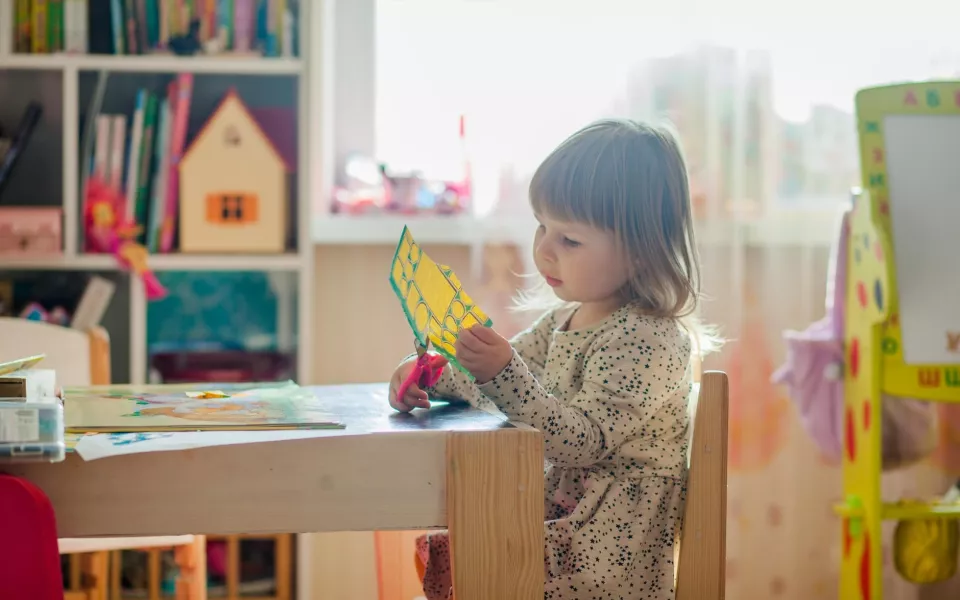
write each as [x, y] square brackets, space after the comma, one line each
[762, 96]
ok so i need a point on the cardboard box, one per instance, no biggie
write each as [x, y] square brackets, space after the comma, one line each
[34, 385]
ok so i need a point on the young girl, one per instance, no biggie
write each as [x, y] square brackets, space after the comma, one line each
[605, 373]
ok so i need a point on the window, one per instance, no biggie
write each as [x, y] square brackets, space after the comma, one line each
[763, 100]
[232, 208]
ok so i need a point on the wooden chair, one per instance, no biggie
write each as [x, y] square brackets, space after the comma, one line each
[83, 358]
[703, 554]
[79, 357]
[283, 567]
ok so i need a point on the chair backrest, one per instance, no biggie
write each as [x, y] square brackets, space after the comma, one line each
[79, 357]
[703, 552]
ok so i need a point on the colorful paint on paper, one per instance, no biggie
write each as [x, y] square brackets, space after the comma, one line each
[128, 439]
[171, 408]
[432, 298]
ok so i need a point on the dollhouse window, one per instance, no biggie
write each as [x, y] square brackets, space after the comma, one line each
[231, 208]
[231, 136]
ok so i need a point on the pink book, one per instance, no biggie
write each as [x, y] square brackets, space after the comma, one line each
[180, 95]
[242, 25]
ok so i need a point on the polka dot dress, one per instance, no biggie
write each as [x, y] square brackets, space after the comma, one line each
[611, 402]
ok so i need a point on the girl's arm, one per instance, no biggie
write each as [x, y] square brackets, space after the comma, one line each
[626, 379]
[530, 344]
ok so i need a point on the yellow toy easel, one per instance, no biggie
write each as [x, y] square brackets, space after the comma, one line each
[899, 340]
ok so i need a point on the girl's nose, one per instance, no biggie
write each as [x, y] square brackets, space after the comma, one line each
[544, 251]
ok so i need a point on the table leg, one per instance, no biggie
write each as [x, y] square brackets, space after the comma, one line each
[495, 514]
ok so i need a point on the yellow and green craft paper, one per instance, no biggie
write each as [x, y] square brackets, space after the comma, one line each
[20, 364]
[432, 298]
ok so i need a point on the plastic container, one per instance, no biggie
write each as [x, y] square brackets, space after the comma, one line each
[31, 431]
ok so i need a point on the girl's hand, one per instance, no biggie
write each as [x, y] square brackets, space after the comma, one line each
[483, 352]
[414, 397]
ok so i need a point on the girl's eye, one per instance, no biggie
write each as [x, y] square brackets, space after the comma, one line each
[570, 243]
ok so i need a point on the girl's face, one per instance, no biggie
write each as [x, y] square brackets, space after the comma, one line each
[581, 263]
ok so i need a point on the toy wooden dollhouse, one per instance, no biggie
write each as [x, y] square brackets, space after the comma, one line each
[233, 186]
[902, 321]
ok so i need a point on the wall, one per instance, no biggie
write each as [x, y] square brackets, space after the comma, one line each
[360, 331]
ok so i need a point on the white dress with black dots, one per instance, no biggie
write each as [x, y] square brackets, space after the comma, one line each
[611, 402]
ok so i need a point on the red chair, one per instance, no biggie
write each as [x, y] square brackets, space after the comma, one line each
[29, 556]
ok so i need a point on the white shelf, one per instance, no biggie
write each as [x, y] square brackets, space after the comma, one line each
[782, 229]
[431, 229]
[812, 229]
[154, 63]
[158, 262]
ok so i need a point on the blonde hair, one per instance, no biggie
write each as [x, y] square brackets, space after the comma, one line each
[629, 178]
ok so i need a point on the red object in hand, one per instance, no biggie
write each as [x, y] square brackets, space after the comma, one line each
[426, 371]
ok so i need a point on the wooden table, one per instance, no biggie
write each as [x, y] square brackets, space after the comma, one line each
[451, 466]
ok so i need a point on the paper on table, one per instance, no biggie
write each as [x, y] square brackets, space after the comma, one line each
[169, 408]
[105, 445]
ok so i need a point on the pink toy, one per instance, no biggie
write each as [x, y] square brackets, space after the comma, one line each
[217, 558]
[813, 375]
[106, 233]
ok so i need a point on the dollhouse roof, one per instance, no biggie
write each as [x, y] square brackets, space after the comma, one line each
[232, 96]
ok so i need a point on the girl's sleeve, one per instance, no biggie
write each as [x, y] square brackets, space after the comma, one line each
[626, 380]
[530, 344]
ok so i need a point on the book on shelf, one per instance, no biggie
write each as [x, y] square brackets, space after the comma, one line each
[129, 27]
[141, 160]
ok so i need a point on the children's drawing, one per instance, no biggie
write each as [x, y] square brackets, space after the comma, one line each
[71, 440]
[127, 439]
[203, 410]
[173, 408]
[432, 298]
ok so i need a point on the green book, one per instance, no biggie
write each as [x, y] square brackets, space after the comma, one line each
[144, 179]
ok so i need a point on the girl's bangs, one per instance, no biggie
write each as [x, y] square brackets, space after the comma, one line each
[579, 182]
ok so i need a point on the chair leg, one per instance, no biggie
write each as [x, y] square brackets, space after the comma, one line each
[116, 574]
[74, 573]
[192, 561]
[283, 566]
[94, 574]
[154, 573]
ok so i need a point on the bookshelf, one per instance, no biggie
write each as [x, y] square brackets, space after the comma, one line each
[224, 65]
[63, 84]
